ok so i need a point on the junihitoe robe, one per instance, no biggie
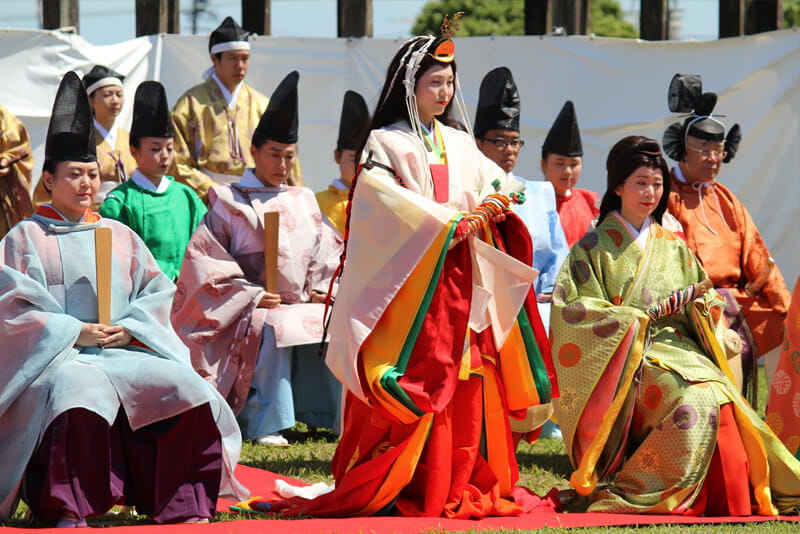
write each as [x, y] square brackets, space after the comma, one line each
[650, 415]
[435, 345]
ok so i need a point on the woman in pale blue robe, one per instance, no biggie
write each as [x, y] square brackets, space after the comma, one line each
[92, 414]
[47, 291]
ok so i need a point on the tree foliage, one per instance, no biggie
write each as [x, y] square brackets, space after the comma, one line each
[507, 17]
[481, 17]
[608, 21]
[791, 13]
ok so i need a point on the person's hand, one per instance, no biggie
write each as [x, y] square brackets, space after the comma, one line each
[4, 167]
[499, 218]
[269, 300]
[544, 298]
[91, 335]
[115, 336]
[318, 296]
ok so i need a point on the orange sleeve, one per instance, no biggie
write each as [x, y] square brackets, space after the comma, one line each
[754, 257]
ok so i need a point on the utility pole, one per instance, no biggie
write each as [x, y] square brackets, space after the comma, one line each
[60, 13]
[541, 16]
[354, 18]
[256, 16]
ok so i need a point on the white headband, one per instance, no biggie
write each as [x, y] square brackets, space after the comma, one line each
[230, 45]
[103, 82]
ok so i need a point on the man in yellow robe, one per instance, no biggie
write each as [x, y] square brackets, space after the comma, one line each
[215, 120]
[353, 129]
[16, 164]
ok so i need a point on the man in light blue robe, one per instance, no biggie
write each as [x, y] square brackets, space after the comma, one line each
[497, 135]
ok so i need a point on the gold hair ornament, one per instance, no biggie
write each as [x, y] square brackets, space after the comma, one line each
[445, 51]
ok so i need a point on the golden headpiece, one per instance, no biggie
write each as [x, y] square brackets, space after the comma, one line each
[446, 50]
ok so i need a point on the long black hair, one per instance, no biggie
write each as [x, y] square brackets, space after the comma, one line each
[392, 103]
[626, 156]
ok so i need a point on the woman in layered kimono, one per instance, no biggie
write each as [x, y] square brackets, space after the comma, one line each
[652, 419]
[435, 332]
[98, 412]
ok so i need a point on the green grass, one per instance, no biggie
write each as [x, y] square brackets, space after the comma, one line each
[543, 465]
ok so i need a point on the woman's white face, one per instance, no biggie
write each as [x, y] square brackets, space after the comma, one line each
[73, 187]
[435, 89]
[640, 194]
[107, 102]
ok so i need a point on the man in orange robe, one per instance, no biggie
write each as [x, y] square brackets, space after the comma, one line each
[719, 229]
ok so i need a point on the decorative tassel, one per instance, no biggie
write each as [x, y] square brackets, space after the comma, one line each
[678, 300]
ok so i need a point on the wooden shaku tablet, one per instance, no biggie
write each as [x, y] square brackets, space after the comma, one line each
[102, 252]
[271, 224]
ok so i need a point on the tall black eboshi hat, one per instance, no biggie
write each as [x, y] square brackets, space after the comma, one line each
[353, 122]
[151, 116]
[564, 137]
[70, 134]
[279, 122]
[498, 103]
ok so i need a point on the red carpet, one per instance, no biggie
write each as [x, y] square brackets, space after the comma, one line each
[262, 483]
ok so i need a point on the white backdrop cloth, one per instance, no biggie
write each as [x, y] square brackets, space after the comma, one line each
[619, 87]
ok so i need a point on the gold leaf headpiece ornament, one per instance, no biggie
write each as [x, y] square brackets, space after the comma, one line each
[446, 50]
[450, 26]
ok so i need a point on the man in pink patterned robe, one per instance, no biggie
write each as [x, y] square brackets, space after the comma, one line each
[259, 348]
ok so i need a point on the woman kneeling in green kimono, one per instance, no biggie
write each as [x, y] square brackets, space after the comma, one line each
[652, 420]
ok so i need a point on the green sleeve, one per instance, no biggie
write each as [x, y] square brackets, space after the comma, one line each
[112, 208]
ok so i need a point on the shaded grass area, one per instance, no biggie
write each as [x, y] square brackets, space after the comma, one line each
[543, 466]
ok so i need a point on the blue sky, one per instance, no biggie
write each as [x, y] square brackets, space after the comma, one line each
[110, 21]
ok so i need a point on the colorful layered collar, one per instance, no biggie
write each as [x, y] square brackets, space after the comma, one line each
[48, 211]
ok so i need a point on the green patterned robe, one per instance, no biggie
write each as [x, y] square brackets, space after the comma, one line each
[640, 401]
